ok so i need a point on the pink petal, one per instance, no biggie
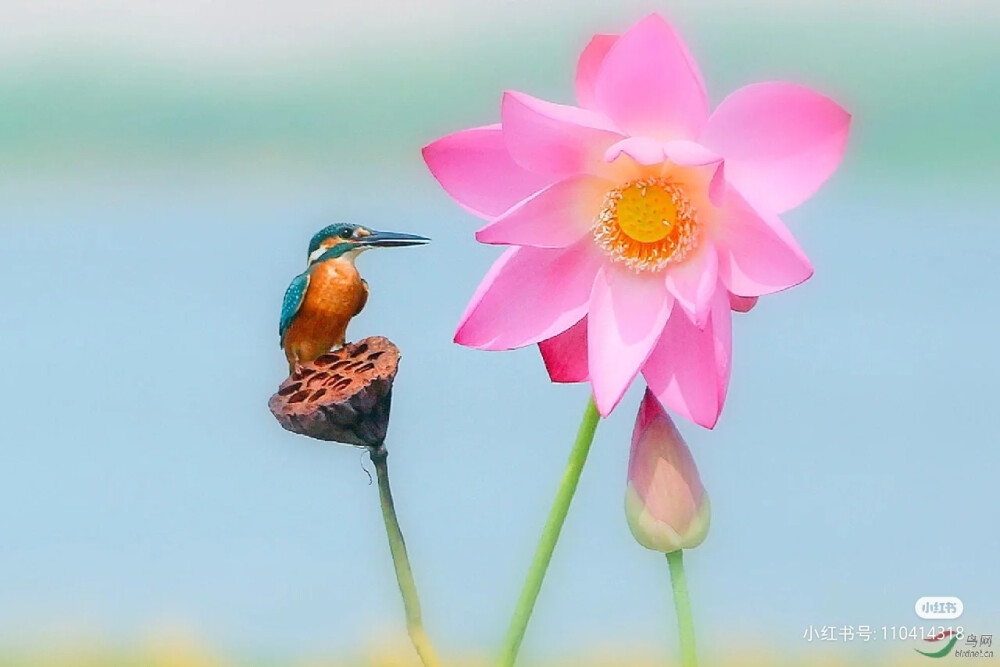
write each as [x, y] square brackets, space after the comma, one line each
[780, 141]
[555, 139]
[689, 367]
[529, 295]
[565, 355]
[649, 84]
[649, 150]
[487, 281]
[742, 304]
[474, 167]
[689, 153]
[757, 253]
[694, 281]
[692, 154]
[717, 187]
[644, 150]
[627, 314]
[722, 323]
[588, 65]
[554, 218]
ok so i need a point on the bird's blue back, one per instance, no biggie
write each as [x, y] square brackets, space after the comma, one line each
[294, 296]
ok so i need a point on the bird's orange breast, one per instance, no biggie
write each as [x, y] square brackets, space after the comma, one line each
[336, 293]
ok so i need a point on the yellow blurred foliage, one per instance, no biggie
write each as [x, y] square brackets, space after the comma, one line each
[178, 653]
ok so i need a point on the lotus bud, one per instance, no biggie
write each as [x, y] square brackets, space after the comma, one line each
[666, 505]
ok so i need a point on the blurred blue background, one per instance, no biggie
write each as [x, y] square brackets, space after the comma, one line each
[161, 171]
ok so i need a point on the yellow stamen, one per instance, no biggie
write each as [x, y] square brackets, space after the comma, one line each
[647, 224]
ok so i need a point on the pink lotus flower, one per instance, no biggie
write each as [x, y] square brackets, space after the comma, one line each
[666, 505]
[637, 220]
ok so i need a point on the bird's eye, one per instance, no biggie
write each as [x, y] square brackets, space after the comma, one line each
[346, 233]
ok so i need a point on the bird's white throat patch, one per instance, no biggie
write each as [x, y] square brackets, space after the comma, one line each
[348, 256]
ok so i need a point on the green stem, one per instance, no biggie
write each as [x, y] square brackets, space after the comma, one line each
[404, 575]
[550, 535]
[682, 602]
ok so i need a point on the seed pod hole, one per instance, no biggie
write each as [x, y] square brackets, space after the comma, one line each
[299, 397]
[317, 379]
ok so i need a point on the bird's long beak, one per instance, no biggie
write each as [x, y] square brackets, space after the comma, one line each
[391, 240]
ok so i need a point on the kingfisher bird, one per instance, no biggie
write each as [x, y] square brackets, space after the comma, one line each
[321, 301]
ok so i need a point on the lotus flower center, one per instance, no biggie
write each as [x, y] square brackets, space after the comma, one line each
[646, 224]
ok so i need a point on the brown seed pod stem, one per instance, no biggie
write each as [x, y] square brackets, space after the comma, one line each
[344, 396]
[401, 562]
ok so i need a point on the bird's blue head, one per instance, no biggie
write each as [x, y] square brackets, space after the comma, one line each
[347, 239]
